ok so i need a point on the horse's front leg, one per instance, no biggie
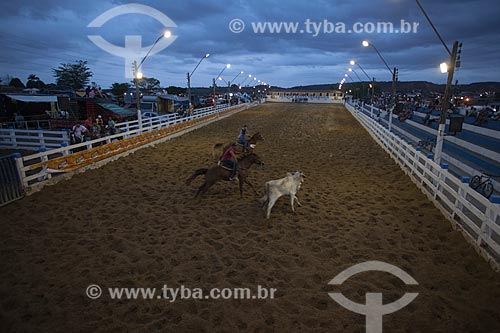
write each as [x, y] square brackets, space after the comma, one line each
[251, 186]
[241, 187]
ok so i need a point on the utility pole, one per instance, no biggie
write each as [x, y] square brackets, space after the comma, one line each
[393, 96]
[189, 89]
[454, 62]
[215, 102]
[137, 94]
[445, 102]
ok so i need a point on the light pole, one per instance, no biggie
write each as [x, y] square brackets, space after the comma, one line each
[371, 85]
[189, 75]
[245, 79]
[221, 79]
[213, 81]
[234, 78]
[454, 62]
[232, 81]
[394, 74]
[138, 75]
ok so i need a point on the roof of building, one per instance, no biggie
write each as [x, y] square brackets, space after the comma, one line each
[118, 109]
[174, 98]
[34, 99]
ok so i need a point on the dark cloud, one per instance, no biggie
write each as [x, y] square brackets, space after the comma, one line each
[38, 35]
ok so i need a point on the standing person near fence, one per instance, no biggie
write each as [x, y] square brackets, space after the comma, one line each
[78, 131]
[111, 125]
[19, 119]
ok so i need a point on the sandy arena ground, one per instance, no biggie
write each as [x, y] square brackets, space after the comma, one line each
[133, 223]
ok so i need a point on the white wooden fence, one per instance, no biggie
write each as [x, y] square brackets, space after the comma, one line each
[35, 178]
[477, 217]
[462, 164]
[12, 138]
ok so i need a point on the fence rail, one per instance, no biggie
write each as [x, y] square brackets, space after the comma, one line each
[34, 139]
[477, 217]
[37, 169]
[12, 138]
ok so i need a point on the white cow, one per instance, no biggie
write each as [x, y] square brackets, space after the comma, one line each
[274, 189]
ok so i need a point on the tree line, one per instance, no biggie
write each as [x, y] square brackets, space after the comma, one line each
[76, 76]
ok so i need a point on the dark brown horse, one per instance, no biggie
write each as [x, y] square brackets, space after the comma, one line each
[214, 174]
[220, 148]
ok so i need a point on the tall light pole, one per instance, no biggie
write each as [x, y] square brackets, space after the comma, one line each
[454, 62]
[234, 78]
[245, 79]
[352, 70]
[232, 82]
[221, 79]
[138, 75]
[394, 74]
[360, 81]
[189, 75]
[371, 85]
[213, 81]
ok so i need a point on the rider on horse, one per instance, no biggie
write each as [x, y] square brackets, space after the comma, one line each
[230, 160]
[242, 138]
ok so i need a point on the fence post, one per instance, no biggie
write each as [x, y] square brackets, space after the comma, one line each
[65, 138]
[127, 128]
[12, 134]
[89, 146]
[489, 217]
[41, 139]
[462, 194]
[44, 173]
[64, 144]
[441, 179]
[20, 171]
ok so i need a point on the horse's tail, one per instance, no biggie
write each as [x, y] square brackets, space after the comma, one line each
[196, 174]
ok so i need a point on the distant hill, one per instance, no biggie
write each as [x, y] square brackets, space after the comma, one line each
[409, 86]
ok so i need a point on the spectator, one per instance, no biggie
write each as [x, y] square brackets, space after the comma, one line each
[64, 114]
[112, 126]
[78, 131]
[19, 119]
[95, 131]
[429, 118]
[99, 120]
[482, 117]
[88, 122]
[495, 116]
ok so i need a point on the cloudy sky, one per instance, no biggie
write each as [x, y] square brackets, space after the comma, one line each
[37, 36]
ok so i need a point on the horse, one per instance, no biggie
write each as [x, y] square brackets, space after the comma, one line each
[220, 148]
[214, 174]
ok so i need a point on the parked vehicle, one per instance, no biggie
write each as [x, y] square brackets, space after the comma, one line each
[149, 114]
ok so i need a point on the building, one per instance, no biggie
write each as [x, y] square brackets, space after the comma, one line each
[299, 96]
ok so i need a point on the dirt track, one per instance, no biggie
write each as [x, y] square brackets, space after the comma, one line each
[133, 223]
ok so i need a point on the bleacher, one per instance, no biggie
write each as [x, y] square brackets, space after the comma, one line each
[474, 150]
